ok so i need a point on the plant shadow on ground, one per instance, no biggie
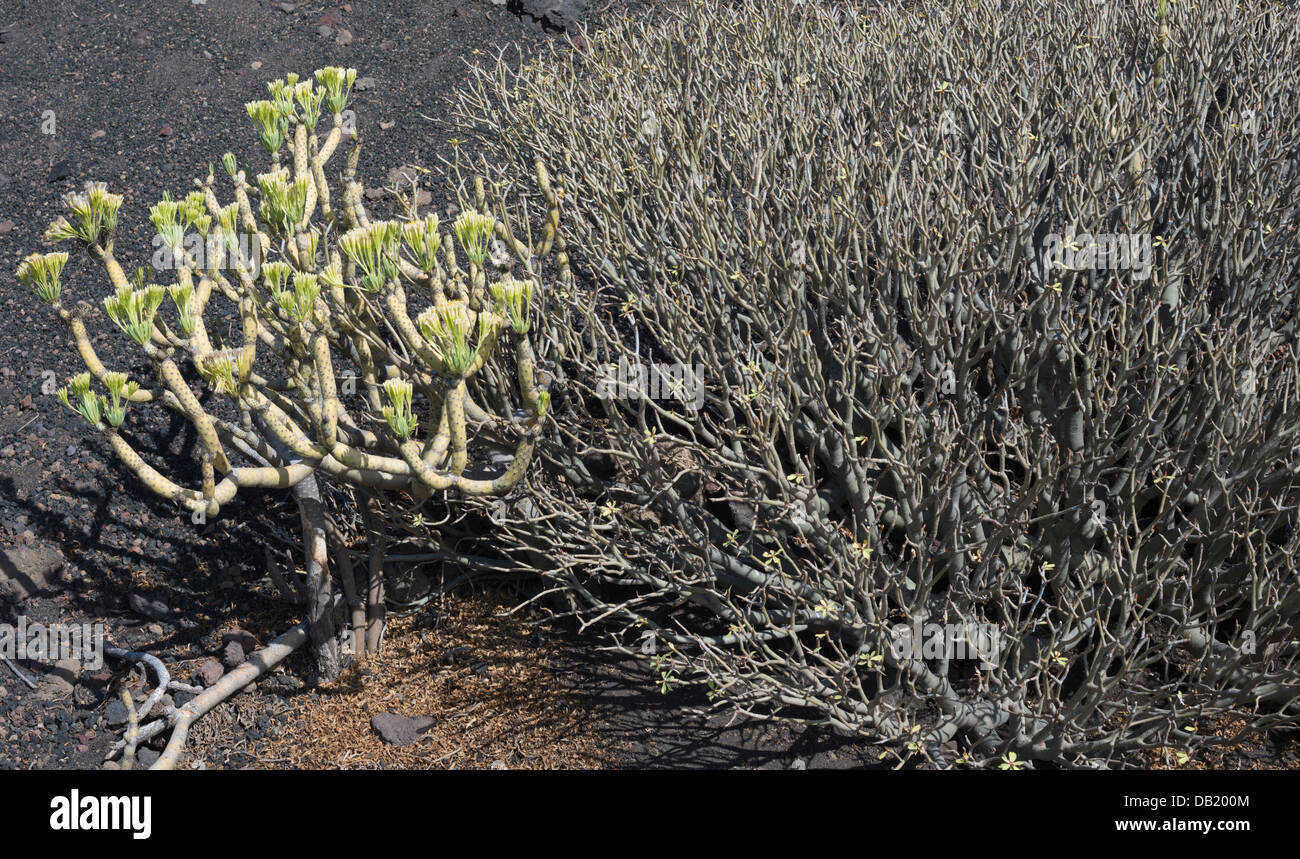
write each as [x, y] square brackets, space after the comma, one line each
[144, 101]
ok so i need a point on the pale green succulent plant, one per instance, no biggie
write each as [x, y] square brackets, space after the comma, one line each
[41, 273]
[311, 281]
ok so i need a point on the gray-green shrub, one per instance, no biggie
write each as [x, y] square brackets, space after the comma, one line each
[846, 217]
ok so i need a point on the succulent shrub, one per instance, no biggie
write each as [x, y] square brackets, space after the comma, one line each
[360, 340]
[996, 321]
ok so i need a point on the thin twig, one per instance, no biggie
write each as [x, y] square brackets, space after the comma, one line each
[21, 676]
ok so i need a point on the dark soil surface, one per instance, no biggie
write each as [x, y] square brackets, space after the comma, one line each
[143, 95]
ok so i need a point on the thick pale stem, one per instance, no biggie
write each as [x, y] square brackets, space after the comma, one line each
[319, 597]
[455, 406]
[356, 609]
[171, 377]
[376, 607]
[328, 391]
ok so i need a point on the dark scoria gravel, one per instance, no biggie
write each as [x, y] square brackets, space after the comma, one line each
[143, 96]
